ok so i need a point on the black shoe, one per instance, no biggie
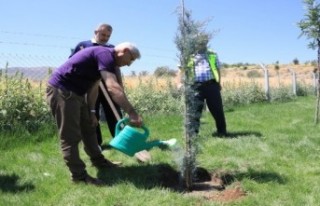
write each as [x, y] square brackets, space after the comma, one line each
[89, 181]
[220, 134]
[106, 164]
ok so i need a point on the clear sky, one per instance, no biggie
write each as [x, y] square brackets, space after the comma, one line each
[250, 31]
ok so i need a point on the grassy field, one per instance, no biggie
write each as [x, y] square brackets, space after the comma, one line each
[272, 156]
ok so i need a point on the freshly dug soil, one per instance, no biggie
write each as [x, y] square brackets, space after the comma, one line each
[215, 186]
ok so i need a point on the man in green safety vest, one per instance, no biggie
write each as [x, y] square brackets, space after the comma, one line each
[203, 74]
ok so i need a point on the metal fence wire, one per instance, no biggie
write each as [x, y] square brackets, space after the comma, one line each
[33, 67]
[38, 68]
[292, 77]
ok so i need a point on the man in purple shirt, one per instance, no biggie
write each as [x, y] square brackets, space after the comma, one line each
[71, 94]
[101, 37]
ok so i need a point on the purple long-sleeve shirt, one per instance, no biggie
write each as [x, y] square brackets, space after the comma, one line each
[82, 70]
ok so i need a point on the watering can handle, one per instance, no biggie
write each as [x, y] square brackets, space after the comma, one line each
[124, 121]
[119, 123]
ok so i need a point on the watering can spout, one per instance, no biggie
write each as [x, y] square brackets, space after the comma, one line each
[152, 144]
[161, 144]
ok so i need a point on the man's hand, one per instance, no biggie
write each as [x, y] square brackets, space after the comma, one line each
[94, 120]
[135, 119]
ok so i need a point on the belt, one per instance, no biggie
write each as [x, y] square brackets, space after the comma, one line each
[206, 82]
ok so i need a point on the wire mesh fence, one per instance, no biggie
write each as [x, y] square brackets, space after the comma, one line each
[292, 77]
[33, 67]
[23, 80]
[37, 67]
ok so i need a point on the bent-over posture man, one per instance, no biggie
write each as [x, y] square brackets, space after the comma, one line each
[67, 87]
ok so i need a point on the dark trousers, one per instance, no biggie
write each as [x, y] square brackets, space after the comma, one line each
[74, 123]
[109, 114]
[210, 92]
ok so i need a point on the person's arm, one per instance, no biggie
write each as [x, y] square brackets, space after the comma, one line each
[92, 96]
[118, 95]
[218, 65]
[119, 77]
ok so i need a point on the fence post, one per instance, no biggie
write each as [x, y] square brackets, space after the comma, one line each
[294, 81]
[315, 80]
[266, 81]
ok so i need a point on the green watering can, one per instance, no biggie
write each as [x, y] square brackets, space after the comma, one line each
[131, 140]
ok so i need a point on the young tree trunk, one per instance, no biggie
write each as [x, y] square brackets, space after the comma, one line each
[316, 118]
[189, 155]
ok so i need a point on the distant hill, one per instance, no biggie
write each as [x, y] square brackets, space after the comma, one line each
[33, 73]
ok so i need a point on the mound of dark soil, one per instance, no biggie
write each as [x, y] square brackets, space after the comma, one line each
[216, 186]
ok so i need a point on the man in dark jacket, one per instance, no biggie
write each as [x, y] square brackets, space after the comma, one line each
[101, 37]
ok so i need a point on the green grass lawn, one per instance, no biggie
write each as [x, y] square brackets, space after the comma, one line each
[273, 156]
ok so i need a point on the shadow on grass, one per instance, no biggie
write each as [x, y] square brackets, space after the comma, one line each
[9, 183]
[257, 176]
[143, 176]
[165, 176]
[238, 134]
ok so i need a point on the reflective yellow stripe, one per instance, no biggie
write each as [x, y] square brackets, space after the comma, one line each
[212, 58]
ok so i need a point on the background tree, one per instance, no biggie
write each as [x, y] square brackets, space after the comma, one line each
[295, 61]
[143, 73]
[187, 37]
[310, 27]
[277, 68]
[133, 73]
[164, 71]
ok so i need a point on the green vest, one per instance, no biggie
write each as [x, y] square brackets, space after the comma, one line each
[212, 58]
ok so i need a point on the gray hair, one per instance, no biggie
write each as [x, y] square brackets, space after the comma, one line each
[104, 26]
[133, 49]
